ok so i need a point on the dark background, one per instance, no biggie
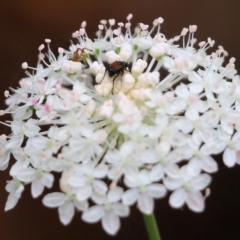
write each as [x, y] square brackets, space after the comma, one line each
[26, 23]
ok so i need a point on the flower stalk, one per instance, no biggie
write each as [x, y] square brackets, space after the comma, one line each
[151, 226]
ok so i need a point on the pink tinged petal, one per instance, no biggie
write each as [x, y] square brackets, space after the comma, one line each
[115, 194]
[54, 199]
[83, 193]
[11, 202]
[100, 186]
[26, 175]
[111, 223]
[171, 183]
[193, 167]
[178, 198]
[200, 182]
[156, 190]
[195, 201]
[47, 179]
[93, 214]
[37, 188]
[145, 203]
[229, 157]
[130, 196]
[66, 212]
[47, 108]
[208, 164]
[156, 173]
[120, 209]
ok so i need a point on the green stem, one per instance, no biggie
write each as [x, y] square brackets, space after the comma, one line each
[152, 228]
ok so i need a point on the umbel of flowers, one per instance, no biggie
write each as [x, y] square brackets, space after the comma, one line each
[125, 118]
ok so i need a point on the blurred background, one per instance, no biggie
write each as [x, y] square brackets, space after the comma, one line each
[25, 24]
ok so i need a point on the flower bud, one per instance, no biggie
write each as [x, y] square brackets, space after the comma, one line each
[125, 52]
[71, 67]
[139, 66]
[112, 57]
[159, 49]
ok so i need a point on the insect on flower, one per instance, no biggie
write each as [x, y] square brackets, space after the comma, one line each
[78, 55]
[116, 68]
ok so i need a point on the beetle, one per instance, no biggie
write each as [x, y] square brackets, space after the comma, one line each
[116, 68]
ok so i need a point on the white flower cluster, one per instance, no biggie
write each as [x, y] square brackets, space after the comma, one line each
[125, 119]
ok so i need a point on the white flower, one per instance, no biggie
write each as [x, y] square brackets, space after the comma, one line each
[117, 127]
[141, 190]
[187, 189]
[108, 210]
[66, 205]
[15, 189]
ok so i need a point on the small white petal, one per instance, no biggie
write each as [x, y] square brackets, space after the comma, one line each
[47, 179]
[145, 203]
[130, 196]
[156, 190]
[100, 171]
[177, 198]
[66, 212]
[54, 199]
[26, 175]
[84, 192]
[172, 170]
[229, 157]
[195, 201]
[37, 188]
[11, 202]
[200, 182]
[100, 186]
[120, 209]
[171, 183]
[193, 167]
[93, 214]
[156, 173]
[82, 206]
[111, 223]
[208, 164]
[115, 194]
